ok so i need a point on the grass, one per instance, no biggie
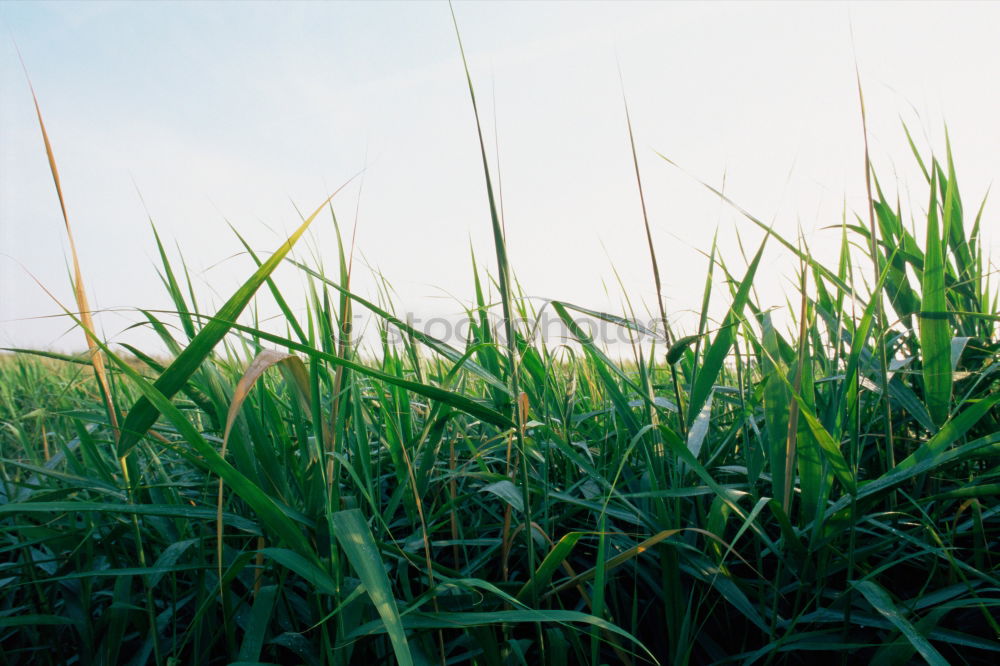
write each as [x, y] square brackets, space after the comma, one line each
[738, 493]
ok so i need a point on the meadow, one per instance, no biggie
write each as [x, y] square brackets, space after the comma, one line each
[745, 492]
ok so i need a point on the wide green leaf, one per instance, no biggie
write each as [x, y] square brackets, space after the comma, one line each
[935, 330]
[356, 539]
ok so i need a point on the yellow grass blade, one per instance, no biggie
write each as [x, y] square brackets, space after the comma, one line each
[96, 357]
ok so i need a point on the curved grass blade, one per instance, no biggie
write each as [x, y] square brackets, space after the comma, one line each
[439, 346]
[144, 413]
[950, 431]
[268, 511]
[264, 360]
[905, 471]
[308, 570]
[548, 567]
[458, 401]
[815, 265]
[621, 558]
[882, 602]
[680, 346]
[465, 620]
[257, 367]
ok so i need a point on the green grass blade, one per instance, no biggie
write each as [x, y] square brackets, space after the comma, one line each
[951, 431]
[548, 567]
[883, 603]
[463, 620]
[260, 617]
[186, 512]
[458, 401]
[935, 330]
[717, 352]
[439, 346]
[356, 539]
[307, 569]
[144, 413]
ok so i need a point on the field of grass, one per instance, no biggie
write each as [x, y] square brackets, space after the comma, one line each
[736, 493]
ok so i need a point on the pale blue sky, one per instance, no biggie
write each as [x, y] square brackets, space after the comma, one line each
[230, 111]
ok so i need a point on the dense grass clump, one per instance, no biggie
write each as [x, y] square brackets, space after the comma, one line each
[739, 493]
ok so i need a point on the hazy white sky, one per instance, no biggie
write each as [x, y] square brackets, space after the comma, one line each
[233, 111]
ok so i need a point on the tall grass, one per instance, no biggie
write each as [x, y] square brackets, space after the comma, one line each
[729, 495]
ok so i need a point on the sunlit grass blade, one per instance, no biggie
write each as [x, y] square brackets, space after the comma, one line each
[440, 346]
[951, 431]
[379, 489]
[935, 330]
[769, 230]
[79, 291]
[143, 414]
[656, 268]
[355, 538]
[721, 345]
[266, 508]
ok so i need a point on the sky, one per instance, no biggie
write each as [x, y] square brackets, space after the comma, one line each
[204, 115]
